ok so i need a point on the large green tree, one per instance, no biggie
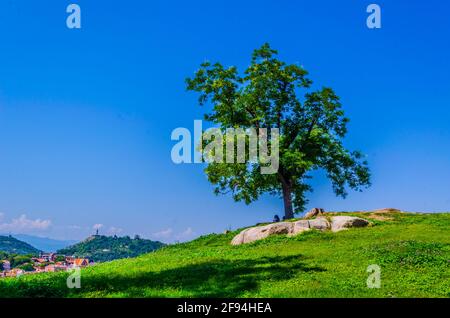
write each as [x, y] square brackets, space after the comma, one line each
[273, 94]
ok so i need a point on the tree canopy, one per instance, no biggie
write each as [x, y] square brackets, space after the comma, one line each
[273, 94]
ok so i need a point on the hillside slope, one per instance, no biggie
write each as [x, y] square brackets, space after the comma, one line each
[413, 251]
[100, 248]
[12, 245]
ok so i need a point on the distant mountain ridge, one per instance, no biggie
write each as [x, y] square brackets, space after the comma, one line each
[44, 243]
[12, 245]
[100, 248]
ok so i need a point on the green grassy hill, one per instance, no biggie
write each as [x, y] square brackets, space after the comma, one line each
[99, 248]
[11, 245]
[413, 251]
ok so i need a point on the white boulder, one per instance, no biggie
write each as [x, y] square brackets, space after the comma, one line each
[321, 224]
[339, 223]
[300, 227]
[261, 232]
[314, 212]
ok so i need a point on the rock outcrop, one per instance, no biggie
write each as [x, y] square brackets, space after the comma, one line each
[320, 224]
[300, 227]
[314, 213]
[387, 210]
[261, 232]
[338, 223]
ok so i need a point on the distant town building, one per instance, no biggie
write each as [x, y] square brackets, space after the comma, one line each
[6, 265]
[46, 262]
[48, 257]
[81, 262]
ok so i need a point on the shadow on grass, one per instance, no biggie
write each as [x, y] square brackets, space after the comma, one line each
[217, 278]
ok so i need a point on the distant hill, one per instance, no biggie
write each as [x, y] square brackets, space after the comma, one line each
[43, 243]
[12, 245]
[107, 248]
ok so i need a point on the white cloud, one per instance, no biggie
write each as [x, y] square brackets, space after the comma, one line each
[97, 226]
[186, 234]
[170, 235]
[24, 224]
[164, 234]
[114, 230]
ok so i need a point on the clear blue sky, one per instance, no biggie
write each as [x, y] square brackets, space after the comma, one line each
[86, 115]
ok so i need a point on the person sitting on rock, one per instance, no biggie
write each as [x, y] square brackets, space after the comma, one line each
[276, 219]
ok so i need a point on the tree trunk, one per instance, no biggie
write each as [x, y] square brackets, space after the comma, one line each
[287, 199]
